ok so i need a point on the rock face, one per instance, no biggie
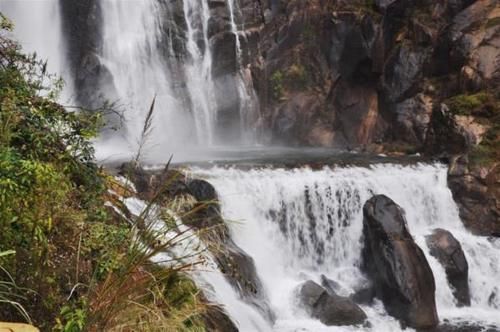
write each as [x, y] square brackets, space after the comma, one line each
[448, 251]
[330, 308]
[398, 268]
[477, 192]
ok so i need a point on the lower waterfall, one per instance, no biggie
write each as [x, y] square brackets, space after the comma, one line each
[298, 224]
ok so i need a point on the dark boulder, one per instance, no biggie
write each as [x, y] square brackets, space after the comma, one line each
[464, 327]
[364, 295]
[398, 268]
[217, 320]
[448, 251]
[330, 285]
[330, 308]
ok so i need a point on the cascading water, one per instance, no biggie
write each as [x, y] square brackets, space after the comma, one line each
[140, 63]
[38, 29]
[132, 53]
[246, 92]
[199, 68]
[299, 224]
[188, 248]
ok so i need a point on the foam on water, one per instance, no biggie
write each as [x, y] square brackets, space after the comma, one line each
[299, 224]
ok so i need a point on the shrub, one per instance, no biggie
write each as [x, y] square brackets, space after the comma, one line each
[277, 85]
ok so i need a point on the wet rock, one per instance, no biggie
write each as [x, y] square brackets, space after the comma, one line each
[357, 113]
[477, 192]
[217, 320]
[330, 285]
[364, 295]
[239, 269]
[330, 308]
[413, 118]
[398, 268]
[448, 251]
[224, 54]
[403, 71]
[202, 190]
[464, 327]
[154, 185]
[445, 136]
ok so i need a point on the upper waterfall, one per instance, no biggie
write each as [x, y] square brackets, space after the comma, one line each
[38, 27]
[133, 52]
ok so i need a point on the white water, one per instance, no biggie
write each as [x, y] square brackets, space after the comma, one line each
[38, 29]
[256, 199]
[249, 108]
[199, 69]
[208, 277]
[132, 53]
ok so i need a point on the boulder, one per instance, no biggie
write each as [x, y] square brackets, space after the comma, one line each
[364, 295]
[217, 320]
[448, 251]
[465, 327]
[330, 308]
[330, 285]
[397, 267]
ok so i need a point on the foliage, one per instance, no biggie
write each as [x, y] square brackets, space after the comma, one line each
[297, 76]
[10, 293]
[74, 264]
[493, 22]
[277, 85]
[466, 104]
[485, 107]
[294, 77]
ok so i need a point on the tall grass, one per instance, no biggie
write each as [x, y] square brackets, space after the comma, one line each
[10, 293]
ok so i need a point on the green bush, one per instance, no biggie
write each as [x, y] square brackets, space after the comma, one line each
[466, 104]
[73, 265]
[277, 87]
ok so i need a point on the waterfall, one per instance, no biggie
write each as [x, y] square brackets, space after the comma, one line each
[199, 68]
[299, 224]
[37, 26]
[132, 52]
[209, 278]
[139, 64]
[246, 93]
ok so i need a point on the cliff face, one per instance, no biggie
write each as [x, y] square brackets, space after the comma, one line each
[387, 76]
[354, 73]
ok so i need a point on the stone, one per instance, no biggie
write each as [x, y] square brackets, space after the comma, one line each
[403, 71]
[17, 327]
[330, 308]
[413, 118]
[400, 273]
[448, 251]
[477, 193]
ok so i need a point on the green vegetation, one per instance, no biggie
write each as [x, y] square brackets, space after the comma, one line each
[485, 107]
[277, 87]
[295, 77]
[467, 104]
[493, 22]
[67, 262]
